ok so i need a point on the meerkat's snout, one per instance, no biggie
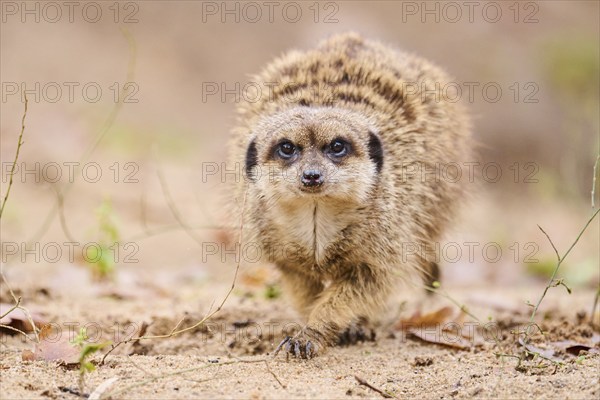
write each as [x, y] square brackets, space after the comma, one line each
[312, 178]
[312, 174]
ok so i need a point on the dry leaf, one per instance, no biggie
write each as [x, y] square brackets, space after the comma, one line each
[572, 347]
[61, 350]
[432, 319]
[438, 327]
[27, 355]
[576, 349]
[18, 319]
[442, 337]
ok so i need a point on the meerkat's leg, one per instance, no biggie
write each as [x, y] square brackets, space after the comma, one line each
[303, 289]
[358, 294]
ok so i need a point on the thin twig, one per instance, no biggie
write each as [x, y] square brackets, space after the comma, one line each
[14, 164]
[17, 301]
[560, 261]
[178, 324]
[61, 215]
[500, 355]
[551, 243]
[141, 332]
[148, 373]
[383, 393]
[112, 347]
[594, 305]
[594, 181]
[11, 328]
[143, 216]
[283, 386]
[462, 307]
[12, 308]
[231, 355]
[580, 234]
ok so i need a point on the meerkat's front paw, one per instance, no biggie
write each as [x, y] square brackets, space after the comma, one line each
[357, 332]
[305, 344]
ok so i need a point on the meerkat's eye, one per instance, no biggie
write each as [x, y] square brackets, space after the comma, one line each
[286, 150]
[338, 148]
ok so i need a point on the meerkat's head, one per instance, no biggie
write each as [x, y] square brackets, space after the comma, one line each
[309, 153]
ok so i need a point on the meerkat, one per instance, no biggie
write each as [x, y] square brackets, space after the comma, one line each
[332, 193]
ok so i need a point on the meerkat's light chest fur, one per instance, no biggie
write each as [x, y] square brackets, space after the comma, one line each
[313, 225]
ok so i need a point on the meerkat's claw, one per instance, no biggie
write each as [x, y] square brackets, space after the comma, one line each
[309, 349]
[284, 342]
[297, 351]
[297, 347]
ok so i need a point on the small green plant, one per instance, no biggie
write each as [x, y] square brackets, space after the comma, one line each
[86, 350]
[272, 291]
[580, 359]
[103, 256]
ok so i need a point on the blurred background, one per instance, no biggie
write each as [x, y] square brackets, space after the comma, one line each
[130, 106]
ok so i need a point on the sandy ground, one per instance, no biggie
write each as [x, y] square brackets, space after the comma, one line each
[231, 356]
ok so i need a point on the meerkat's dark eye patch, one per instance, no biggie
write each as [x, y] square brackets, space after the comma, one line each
[376, 151]
[338, 148]
[251, 158]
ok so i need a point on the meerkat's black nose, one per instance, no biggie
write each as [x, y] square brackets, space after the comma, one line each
[312, 177]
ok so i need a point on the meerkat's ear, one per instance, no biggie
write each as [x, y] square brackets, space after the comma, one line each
[251, 158]
[376, 151]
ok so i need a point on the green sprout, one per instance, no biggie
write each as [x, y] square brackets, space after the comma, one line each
[103, 256]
